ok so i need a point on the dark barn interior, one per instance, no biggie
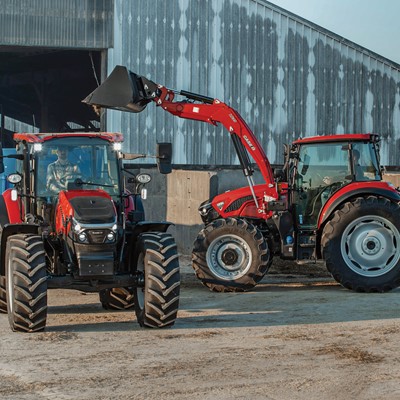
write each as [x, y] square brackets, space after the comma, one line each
[44, 88]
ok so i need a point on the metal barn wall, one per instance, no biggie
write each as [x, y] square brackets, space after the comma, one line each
[286, 76]
[57, 23]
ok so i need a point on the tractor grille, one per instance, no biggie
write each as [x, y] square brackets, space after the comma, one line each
[238, 203]
[97, 236]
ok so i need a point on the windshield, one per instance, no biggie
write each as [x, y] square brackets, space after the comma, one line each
[76, 163]
[323, 168]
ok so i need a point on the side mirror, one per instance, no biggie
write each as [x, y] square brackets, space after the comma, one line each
[164, 157]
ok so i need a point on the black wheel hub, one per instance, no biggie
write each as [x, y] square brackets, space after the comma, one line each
[229, 257]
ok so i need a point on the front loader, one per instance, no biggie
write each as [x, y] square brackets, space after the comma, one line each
[84, 230]
[328, 203]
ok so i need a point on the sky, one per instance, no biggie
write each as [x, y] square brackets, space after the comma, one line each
[372, 24]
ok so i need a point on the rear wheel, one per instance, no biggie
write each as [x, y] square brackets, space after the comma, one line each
[26, 279]
[230, 255]
[117, 298]
[361, 245]
[157, 299]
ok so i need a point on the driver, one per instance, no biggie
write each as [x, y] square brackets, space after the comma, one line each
[60, 171]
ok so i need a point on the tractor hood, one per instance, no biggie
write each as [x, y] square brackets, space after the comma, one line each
[123, 90]
[88, 207]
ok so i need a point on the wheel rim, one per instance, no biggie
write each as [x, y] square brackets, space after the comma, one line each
[229, 257]
[370, 246]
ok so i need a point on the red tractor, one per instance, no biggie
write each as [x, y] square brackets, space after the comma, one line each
[70, 223]
[328, 202]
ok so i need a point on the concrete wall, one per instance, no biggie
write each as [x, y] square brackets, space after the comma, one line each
[393, 177]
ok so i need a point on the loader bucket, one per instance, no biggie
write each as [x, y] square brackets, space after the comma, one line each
[123, 90]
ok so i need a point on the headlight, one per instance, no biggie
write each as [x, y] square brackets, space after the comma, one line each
[220, 205]
[14, 178]
[110, 237]
[37, 147]
[143, 178]
[82, 237]
[117, 146]
[76, 226]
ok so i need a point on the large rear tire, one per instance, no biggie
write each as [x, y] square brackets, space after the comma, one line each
[157, 300]
[117, 298]
[361, 245]
[230, 255]
[26, 280]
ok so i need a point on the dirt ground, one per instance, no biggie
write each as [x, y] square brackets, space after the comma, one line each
[298, 335]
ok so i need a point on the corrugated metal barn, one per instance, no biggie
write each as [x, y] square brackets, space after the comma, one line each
[285, 75]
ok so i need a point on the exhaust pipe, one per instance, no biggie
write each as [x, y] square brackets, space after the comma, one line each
[123, 90]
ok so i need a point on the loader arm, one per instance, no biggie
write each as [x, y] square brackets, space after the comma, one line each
[218, 112]
[194, 107]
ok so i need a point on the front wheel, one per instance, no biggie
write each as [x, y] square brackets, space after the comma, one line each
[157, 299]
[361, 245]
[230, 255]
[26, 283]
[117, 298]
[3, 295]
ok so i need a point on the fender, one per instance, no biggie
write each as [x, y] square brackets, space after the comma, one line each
[134, 207]
[141, 227]
[10, 208]
[3, 212]
[381, 189]
[12, 229]
[149, 226]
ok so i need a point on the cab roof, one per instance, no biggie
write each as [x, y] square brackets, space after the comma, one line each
[349, 137]
[43, 137]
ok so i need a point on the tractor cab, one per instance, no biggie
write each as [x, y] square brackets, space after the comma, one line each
[320, 166]
[52, 164]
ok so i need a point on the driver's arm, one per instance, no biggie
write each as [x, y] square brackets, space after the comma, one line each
[52, 183]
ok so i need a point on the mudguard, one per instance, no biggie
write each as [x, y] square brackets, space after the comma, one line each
[10, 210]
[359, 189]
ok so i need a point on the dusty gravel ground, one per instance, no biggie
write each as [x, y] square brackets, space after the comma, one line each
[298, 335]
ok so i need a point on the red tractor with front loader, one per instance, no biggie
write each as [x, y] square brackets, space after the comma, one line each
[328, 203]
[70, 222]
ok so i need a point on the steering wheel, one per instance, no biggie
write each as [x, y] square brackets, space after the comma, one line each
[70, 177]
